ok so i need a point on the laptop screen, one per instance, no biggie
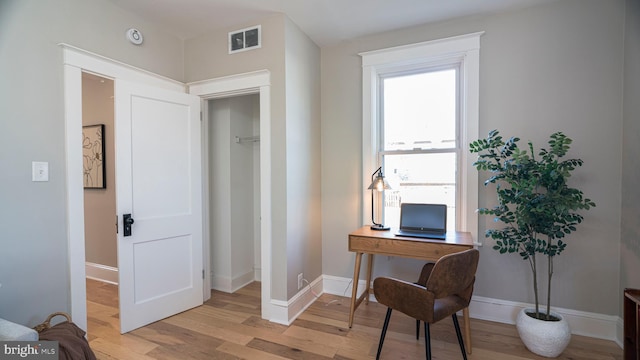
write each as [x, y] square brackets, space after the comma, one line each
[425, 217]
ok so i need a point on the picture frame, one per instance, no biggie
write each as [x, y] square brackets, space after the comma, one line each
[93, 160]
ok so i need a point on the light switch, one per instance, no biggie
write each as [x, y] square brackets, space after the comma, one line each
[39, 171]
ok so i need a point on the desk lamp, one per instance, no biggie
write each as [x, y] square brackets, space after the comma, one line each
[378, 183]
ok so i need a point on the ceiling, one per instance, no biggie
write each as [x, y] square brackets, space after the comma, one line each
[326, 22]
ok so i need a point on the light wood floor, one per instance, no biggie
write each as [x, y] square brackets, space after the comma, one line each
[229, 327]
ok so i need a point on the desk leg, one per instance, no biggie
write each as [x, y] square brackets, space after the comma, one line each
[467, 329]
[368, 287]
[354, 292]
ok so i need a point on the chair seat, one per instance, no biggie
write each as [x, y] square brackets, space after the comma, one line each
[410, 299]
[444, 307]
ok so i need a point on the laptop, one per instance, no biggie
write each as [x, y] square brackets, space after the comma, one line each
[423, 220]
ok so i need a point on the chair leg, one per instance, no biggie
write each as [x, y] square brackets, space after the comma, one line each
[417, 329]
[427, 340]
[384, 332]
[459, 334]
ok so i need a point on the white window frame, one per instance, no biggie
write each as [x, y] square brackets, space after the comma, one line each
[463, 50]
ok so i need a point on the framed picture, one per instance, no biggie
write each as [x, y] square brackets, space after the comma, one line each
[94, 171]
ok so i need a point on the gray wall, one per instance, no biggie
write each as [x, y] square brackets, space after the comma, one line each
[552, 67]
[303, 247]
[293, 61]
[630, 246]
[206, 57]
[33, 245]
[100, 204]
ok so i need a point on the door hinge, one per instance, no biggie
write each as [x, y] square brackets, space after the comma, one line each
[116, 223]
[202, 273]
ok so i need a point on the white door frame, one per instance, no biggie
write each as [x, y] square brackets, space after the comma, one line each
[258, 82]
[75, 61]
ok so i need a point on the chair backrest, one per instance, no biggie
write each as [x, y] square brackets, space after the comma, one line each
[453, 274]
[424, 274]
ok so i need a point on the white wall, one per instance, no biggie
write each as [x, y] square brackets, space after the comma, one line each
[257, 241]
[220, 192]
[243, 201]
[233, 199]
[551, 67]
[33, 226]
[630, 246]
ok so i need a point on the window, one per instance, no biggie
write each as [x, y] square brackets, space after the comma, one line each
[420, 111]
[419, 147]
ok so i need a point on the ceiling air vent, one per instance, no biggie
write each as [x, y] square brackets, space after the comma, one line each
[245, 39]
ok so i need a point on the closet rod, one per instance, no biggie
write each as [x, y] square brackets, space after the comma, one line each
[247, 139]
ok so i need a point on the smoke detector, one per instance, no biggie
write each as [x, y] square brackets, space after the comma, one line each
[134, 36]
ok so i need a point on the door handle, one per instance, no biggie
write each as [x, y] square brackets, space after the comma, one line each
[127, 221]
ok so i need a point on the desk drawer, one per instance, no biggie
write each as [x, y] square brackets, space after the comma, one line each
[425, 250]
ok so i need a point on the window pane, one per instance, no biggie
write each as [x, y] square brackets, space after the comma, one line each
[420, 178]
[420, 111]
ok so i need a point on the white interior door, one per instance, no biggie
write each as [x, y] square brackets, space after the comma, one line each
[158, 176]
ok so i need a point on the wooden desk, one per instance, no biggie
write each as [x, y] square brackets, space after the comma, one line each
[373, 242]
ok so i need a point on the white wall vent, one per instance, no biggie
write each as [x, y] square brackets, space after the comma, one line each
[245, 39]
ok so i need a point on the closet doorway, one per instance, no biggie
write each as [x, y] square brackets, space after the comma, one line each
[233, 165]
[256, 83]
[98, 148]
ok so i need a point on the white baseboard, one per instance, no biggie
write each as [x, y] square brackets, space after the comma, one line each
[104, 273]
[607, 327]
[257, 274]
[285, 312]
[581, 322]
[221, 283]
[231, 285]
[242, 280]
[620, 332]
[343, 286]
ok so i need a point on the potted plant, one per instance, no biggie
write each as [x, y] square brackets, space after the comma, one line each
[539, 209]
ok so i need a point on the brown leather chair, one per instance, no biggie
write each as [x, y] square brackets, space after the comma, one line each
[422, 281]
[448, 289]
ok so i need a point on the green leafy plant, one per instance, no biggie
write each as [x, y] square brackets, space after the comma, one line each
[535, 202]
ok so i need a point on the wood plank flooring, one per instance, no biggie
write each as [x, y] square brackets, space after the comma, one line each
[229, 327]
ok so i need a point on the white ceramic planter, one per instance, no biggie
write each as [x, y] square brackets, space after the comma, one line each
[545, 338]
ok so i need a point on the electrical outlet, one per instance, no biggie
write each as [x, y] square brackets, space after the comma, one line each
[300, 281]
